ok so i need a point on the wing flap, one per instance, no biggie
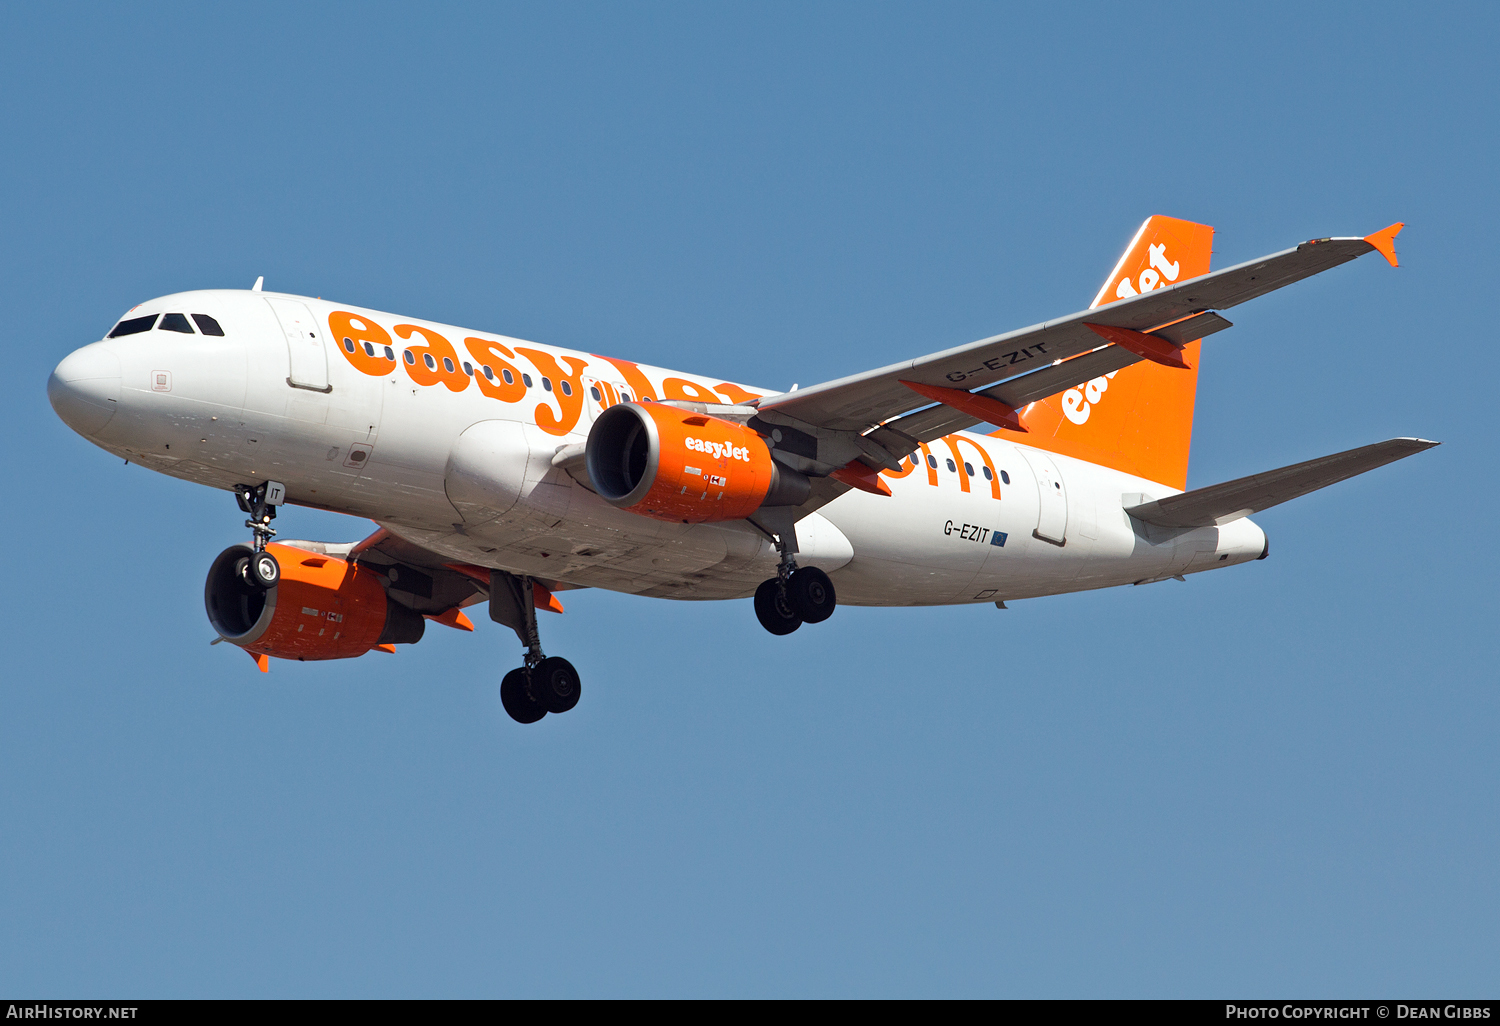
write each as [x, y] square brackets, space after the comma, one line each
[1223, 503]
[937, 421]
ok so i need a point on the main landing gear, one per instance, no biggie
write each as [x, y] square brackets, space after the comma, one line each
[543, 684]
[796, 595]
[260, 569]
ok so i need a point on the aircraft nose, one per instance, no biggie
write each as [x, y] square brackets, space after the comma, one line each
[85, 388]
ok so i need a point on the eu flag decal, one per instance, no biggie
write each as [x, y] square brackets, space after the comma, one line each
[998, 538]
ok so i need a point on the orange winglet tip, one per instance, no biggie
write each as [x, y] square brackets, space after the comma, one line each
[991, 411]
[1147, 347]
[263, 661]
[1384, 242]
[856, 475]
[544, 599]
[452, 618]
[387, 649]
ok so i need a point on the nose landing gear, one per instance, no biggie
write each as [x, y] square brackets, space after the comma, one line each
[260, 569]
[543, 684]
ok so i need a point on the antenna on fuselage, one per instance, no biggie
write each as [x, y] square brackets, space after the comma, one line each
[258, 283]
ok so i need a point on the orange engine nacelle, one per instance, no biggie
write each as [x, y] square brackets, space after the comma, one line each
[672, 464]
[322, 608]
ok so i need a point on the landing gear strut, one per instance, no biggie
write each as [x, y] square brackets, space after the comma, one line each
[796, 595]
[260, 569]
[543, 684]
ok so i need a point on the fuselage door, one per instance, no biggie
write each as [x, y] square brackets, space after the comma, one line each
[1052, 516]
[304, 345]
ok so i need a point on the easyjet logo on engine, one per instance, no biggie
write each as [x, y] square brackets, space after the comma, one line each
[1150, 278]
[719, 450]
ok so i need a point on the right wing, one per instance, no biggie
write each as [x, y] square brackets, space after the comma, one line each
[857, 403]
[1224, 503]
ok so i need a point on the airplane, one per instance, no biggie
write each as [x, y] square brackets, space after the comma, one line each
[505, 471]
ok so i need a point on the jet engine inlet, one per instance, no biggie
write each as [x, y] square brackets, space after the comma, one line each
[672, 464]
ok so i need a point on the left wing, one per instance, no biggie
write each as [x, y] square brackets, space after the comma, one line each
[1058, 354]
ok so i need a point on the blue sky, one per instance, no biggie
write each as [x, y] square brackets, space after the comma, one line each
[1280, 779]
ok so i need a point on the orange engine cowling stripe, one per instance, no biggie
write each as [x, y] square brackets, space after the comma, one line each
[326, 608]
[700, 468]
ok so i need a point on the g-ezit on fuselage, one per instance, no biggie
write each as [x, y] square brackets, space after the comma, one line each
[506, 471]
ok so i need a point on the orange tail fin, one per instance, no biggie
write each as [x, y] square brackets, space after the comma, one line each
[1140, 419]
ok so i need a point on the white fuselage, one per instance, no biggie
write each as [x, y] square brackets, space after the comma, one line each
[471, 476]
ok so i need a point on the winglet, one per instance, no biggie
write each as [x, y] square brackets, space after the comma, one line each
[263, 661]
[856, 475]
[1384, 241]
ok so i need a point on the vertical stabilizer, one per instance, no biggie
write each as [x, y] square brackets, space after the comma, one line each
[1140, 419]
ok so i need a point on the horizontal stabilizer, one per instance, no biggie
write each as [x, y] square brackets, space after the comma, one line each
[1222, 503]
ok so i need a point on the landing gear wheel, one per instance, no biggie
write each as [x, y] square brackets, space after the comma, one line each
[517, 699]
[263, 571]
[774, 610]
[555, 684]
[811, 594]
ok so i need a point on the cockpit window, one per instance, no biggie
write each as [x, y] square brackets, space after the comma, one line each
[175, 322]
[133, 326]
[207, 324]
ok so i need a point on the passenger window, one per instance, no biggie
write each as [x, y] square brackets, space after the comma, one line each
[969, 468]
[526, 380]
[488, 372]
[510, 379]
[567, 387]
[447, 365]
[468, 368]
[175, 322]
[390, 354]
[988, 474]
[410, 357]
[1004, 477]
[625, 396]
[134, 326]
[429, 361]
[348, 345]
[369, 349]
[594, 391]
[547, 384]
[207, 325]
[951, 468]
[913, 459]
[932, 461]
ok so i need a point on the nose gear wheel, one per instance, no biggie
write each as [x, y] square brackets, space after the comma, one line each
[261, 570]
